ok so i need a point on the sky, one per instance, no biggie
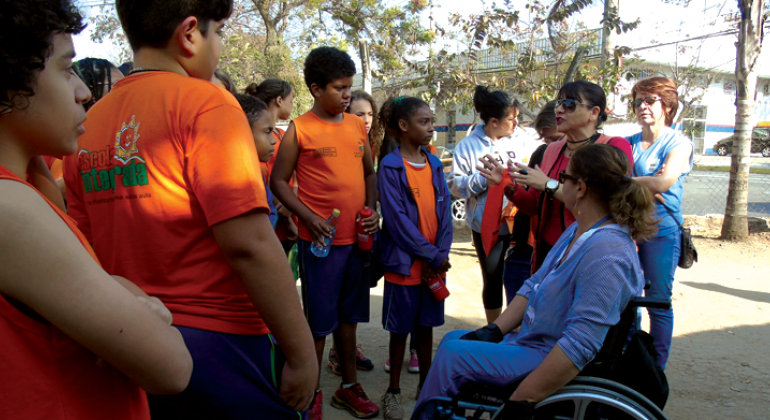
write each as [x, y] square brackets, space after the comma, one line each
[661, 23]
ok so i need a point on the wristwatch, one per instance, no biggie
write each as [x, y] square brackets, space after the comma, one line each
[551, 186]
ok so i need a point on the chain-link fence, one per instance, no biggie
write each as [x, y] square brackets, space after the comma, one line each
[705, 188]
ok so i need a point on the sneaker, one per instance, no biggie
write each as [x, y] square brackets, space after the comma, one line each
[391, 407]
[387, 365]
[334, 362]
[354, 399]
[414, 364]
[362, 363]
[315, 412]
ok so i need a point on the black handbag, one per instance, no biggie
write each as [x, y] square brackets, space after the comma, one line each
[689, 253]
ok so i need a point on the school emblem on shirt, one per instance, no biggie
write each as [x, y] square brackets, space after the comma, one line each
[118, 164]
[125, 141]
[415, 192]
[324, 152]
[360, 151]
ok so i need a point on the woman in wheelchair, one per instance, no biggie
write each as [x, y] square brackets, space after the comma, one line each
[566, 308]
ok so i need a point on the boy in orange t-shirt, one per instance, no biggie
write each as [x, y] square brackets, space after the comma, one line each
[167, 187]
[331, 155]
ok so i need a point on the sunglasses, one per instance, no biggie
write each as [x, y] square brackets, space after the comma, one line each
[563, 176]
[649, 101]
[569, 104]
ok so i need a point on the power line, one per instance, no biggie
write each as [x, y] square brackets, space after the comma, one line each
[712, 35]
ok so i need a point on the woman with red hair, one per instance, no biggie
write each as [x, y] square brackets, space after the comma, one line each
[662, 159]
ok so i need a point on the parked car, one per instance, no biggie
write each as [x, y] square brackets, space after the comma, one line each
[760, 143]
[458, 204]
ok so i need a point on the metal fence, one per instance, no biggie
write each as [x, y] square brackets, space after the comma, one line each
[705, 188]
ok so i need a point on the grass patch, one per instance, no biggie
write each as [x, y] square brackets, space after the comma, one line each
[727, 169]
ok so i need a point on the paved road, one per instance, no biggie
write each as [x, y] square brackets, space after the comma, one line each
[706, 193]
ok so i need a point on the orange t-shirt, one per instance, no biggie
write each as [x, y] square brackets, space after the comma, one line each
[55, 166]
[421, 185]
[330, 171]
[164, 158]
[47, 375]
[278, 134]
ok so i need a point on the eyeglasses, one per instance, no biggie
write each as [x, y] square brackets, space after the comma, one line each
[569, 104]
[649, 101]
[563, 176]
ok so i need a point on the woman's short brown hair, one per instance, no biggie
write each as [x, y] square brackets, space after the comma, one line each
[663, 87]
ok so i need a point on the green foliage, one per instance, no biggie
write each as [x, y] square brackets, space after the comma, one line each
[106, 28]
[392, 32]
[533, 68]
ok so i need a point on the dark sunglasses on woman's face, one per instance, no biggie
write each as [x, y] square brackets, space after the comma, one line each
[649, 101]
[569, 104]
[563, 176]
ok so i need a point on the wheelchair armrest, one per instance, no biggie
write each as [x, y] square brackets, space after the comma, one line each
[650, 302]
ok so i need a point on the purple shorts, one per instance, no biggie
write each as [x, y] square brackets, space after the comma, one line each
[234, 377]
[403, 307]
[334, 289]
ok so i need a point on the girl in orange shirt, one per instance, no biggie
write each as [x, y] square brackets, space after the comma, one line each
[279, 97]
[416, 237]
[363, 105]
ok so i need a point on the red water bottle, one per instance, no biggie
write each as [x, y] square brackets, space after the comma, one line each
[438, 288]
[365, 240]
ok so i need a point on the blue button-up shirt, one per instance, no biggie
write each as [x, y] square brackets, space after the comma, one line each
[574, 305]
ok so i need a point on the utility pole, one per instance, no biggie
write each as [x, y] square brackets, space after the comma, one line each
[750, 36]
[608, 43]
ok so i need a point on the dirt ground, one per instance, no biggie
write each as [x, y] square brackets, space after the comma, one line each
[719, 366]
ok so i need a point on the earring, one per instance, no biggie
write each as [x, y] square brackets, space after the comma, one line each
[576, 210]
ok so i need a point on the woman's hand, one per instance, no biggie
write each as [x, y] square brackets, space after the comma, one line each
[532, 177]
[491, 169]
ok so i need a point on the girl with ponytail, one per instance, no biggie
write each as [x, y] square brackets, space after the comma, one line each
[496, 139]
[278, 95]
[567, 307]
[416, 238]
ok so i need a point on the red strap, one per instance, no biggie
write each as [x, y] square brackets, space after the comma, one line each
[493, 211]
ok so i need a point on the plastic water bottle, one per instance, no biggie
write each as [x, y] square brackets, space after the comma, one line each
[332, 223]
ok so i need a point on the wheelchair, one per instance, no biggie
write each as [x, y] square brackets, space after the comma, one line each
[595, 394]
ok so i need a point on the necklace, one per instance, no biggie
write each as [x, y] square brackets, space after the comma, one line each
[595, 136]
[143, 70]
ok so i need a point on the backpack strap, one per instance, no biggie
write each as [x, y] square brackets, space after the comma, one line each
[552, 153]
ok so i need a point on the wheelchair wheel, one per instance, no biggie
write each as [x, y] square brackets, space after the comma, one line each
[589, 398]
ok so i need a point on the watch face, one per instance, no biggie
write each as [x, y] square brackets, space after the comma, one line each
[552, 184]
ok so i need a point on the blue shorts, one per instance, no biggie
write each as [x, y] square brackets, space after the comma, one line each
[234, 377]
[403, 307]
[334, 289]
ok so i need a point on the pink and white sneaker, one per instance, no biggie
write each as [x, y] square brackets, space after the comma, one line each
[414, 364]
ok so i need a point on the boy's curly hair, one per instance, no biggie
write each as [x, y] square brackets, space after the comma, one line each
[326, 64]
[35, 22]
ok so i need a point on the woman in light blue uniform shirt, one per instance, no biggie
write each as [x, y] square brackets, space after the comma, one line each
[662, 159]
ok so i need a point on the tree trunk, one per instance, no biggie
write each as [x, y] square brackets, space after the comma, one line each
[366, 65]
[580, 52]
[735, 226]
[608, 41]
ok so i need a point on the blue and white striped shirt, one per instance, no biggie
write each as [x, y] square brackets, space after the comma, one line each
[574, 305]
